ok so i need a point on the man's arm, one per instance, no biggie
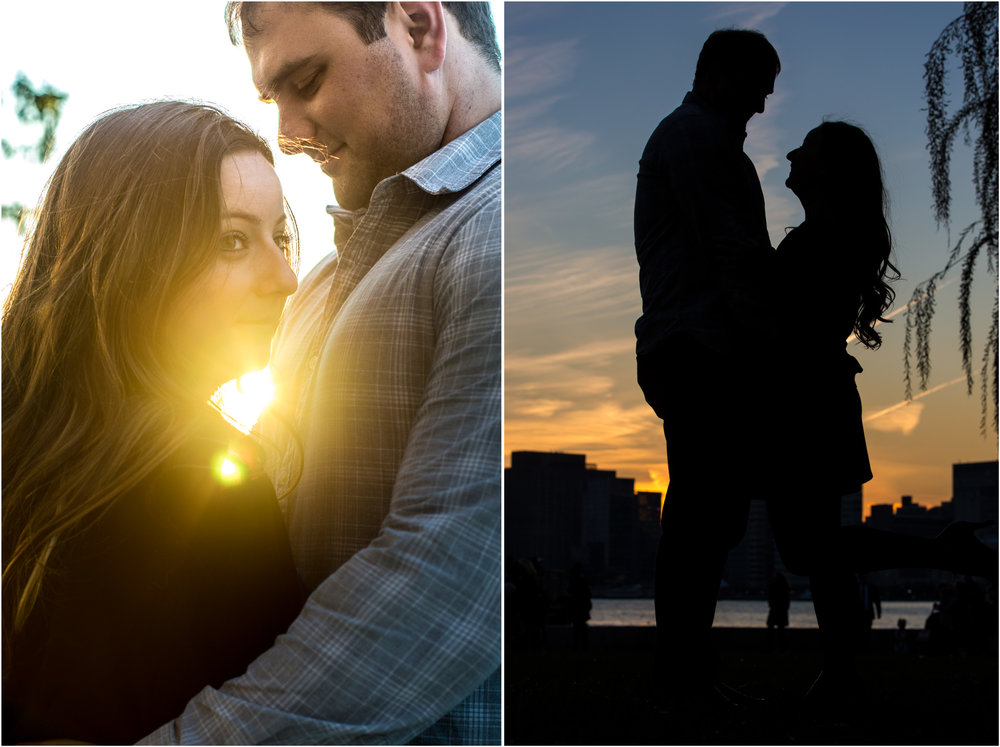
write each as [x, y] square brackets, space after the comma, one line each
[409, 626]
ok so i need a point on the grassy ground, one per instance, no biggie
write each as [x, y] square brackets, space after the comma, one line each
[605, 697]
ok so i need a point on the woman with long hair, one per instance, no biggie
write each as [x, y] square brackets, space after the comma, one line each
[144, 553]
[842, 252]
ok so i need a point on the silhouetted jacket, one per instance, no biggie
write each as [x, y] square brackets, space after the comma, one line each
[700, 233]
[179, 585]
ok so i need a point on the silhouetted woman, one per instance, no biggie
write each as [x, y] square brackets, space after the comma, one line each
[841, 252]
[144, 554]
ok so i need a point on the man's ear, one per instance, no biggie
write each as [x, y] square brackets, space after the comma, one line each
[428, 32]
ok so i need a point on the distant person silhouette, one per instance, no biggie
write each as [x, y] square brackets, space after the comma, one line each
[842, 253]
[532, 604]
[901, 638]
[778, 602]
[580, 605]
[702, 246]
[871, 601]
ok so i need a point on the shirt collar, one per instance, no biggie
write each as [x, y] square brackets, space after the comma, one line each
[462, 161]
[449, 169]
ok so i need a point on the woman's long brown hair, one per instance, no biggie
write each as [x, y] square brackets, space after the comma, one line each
[90, 405]
[856, 196]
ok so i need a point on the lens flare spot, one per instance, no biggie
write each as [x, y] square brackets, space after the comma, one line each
[230, 469]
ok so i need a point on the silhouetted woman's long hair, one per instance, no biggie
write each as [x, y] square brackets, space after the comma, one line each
[92, 402]
[856, 199]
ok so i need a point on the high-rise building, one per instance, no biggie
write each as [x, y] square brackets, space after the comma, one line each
[974, 491]
[543, 507]
[562, 511]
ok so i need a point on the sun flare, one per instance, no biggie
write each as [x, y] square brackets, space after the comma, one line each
[244, 399]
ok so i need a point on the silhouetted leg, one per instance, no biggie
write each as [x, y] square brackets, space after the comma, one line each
[807, 533]
[707, 501]
[690, 563]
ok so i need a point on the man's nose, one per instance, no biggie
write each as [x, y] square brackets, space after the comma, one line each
[294, 129]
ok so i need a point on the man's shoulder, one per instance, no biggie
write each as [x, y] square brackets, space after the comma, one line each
[689, 117]
[688, 129]
[464, 237]
[468, 218]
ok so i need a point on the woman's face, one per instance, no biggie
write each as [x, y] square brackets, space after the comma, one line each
[221, 325]
[807, 169]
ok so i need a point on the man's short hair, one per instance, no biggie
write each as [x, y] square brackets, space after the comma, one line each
[727, 51]
[475, 23]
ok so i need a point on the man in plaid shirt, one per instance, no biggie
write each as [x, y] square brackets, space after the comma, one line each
[389, 363]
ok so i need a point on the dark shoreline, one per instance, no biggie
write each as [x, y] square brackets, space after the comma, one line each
[643, 638]
[606, 695]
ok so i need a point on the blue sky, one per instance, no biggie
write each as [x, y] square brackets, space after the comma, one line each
[586, 83]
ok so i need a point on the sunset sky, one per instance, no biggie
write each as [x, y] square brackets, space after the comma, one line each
[586, 83]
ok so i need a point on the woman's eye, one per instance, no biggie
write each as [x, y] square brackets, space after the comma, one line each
[233, 242]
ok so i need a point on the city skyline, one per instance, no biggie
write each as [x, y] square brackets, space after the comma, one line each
[902, 500]
[585, 85]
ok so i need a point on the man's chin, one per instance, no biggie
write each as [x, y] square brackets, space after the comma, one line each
[349, 198]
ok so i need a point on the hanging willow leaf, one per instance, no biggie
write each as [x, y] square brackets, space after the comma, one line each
[971, 39]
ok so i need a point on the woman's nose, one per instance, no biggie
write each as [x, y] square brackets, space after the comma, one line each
[276, 275]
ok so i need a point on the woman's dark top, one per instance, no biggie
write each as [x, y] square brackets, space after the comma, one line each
[181, 584]
[822, 434]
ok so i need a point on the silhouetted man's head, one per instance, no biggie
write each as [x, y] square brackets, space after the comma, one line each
[736, 71]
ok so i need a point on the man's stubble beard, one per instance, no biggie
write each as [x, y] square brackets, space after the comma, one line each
[412, 131]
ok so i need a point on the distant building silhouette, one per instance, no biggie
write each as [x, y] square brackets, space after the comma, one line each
[911, 518]
[974, 498]
[562, 510]
[974, 491]
[752, 563]
[851, 509]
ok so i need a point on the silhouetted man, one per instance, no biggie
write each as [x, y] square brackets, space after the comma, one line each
[702, 245]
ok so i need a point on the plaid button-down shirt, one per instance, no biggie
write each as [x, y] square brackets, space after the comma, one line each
[389, 360]
[700, 233]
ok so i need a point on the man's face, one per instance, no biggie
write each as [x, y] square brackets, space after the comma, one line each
[750, 95]
[363, 111]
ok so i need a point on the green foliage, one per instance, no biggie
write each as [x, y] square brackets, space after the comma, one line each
[972, 40]
[32, 106]
[13, 211]
[36, 106]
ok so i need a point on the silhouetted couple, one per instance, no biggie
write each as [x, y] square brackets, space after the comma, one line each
[757, 396]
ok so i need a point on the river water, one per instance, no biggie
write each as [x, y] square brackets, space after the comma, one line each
[750, 613]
